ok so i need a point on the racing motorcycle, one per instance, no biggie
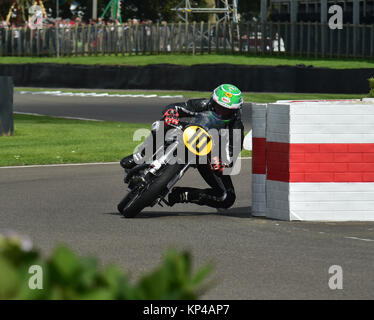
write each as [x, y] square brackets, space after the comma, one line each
[150, 182]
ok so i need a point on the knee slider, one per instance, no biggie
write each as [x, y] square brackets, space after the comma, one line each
[229, 199]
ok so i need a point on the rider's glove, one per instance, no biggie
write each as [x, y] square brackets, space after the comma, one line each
[216, 165]
[171, 117]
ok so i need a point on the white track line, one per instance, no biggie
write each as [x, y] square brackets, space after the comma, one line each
[355, 238]
[61, 165]
[98, 95]
[60, 117]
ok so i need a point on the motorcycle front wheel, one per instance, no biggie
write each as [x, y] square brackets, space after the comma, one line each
[135, 201]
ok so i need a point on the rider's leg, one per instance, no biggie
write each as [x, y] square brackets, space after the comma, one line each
[221, 194]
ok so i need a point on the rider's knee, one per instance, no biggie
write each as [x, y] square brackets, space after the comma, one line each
[229, 199]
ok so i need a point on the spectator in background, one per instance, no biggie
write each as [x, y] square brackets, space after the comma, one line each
[148, 33]
[165, 36]
[68, 34]
[94, 31]
[16, 36]
[3, 42]
[6, 25]
[100, 24]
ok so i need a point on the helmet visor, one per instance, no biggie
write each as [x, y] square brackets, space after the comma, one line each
[223, 112]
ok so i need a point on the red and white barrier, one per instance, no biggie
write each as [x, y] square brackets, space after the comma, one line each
[258, 159]
[319, 160]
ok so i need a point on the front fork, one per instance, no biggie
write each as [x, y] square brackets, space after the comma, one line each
[164, 160]
[170, 185]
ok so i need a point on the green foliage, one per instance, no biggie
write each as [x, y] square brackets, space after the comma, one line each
[371, 86]
[69, 277]
[249, 9]
[46, 140]
[4, 8]
[156, 10]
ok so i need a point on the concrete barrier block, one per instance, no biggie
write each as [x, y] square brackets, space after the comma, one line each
[281, 108]
[337, 109]
[331, 129]
[259, 131]
[277, 137]
[331, 196]
[259, 115]
[259, 209]
[258, 195]
[319, 161]
[258, 179]
[275, 127]
[326, 138]
[338, 216]
[258, 188]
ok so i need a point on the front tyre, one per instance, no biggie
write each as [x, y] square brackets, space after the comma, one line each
[134, 202]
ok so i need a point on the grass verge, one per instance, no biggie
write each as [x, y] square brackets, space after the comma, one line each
[47, 140]
[183, 59]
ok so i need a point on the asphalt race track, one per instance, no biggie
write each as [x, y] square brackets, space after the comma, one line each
[137, 110]
[254, 258]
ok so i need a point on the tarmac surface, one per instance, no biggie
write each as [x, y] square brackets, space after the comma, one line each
[137, 110]
[253, 258]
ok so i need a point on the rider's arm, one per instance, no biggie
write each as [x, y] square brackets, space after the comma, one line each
[235, 140]
[233, 144]
[189, 108]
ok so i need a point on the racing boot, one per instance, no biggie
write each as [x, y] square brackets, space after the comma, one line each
[129, 161]
[182, 195]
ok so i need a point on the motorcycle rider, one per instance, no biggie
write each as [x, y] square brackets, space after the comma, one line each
[226, 101]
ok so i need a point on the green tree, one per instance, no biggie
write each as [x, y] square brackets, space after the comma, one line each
[150, 9]
[23, 5]
[249, 9]
[156, 10]
[211, 4]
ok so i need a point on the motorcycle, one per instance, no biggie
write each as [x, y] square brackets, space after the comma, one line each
[150, 182]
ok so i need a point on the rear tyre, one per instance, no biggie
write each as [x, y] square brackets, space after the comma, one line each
[130, 207]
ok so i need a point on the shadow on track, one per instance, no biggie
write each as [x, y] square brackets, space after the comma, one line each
[238, 212]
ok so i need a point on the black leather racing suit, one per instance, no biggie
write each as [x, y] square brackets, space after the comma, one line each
[222, 192]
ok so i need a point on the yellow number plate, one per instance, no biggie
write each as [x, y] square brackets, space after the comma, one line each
[197, 140]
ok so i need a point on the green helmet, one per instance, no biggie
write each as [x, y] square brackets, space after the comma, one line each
[228, 96]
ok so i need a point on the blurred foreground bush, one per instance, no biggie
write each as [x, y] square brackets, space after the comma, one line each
[66, 276]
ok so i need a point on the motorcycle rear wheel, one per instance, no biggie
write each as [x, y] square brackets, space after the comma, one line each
[130, 207]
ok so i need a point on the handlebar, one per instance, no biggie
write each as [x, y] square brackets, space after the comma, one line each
[180, 125]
